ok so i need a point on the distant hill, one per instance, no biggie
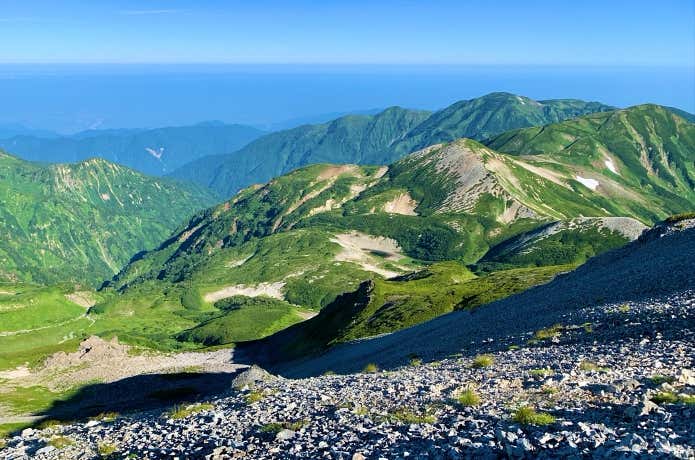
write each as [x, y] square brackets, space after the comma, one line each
[492, 114]
[8, 130]
[150, 151]
[376, 139]
[81, 222]
[362, 139]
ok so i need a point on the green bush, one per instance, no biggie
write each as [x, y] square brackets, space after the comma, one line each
[527, 415]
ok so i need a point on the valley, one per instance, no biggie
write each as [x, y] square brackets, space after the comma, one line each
[392, 249]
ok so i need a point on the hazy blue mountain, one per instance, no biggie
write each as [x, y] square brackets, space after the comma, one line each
[151, 151]
[8, 130]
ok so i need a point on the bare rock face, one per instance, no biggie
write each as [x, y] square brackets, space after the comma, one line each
[251, 377]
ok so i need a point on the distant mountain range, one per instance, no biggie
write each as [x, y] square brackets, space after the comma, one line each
[81, 222]
[151, 151]
[376, 139]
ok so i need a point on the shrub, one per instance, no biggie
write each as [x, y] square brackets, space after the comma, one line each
[106, 416]
[549, 390]
[370, 368]
[667, 397]
[415, 361]
[481, 361]
[60, 442]
[540, 372]
[468, 397]
[407, 416]
[106, 449]
[658, 379]
[527, 415]
[254, 397]
[679, 217]
[590, 366]
[548, 332]
[179, 412]
[276, 427]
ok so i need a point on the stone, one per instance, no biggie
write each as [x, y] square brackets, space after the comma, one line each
[251, 377]
[285, 435]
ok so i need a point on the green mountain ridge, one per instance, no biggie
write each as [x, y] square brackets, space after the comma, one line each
[376, 139]
[314, 233]
[81, 222]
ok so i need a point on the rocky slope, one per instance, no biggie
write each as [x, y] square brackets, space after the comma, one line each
[598, 363]
[81, 222]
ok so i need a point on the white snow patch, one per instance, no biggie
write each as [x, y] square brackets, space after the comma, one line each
[589, 183]
[610, 165]
[155, 153]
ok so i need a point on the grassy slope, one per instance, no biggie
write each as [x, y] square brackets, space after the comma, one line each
[385, 306]
[571, 246]
[650, 147]
[82, 222]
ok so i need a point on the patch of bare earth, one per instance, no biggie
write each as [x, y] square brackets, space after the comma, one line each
[82, 298]
[402, 204]
[262, 289]
[365, 251]
[108, 361]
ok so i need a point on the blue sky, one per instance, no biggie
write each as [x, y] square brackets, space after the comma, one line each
[654, 33]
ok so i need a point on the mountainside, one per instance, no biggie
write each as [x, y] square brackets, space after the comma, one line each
[364, 139]
[597, 363]
[312, 234]
[564, 242]
[151, 151]
[645, 149]
[377, 139]
[492, 114]
[81, 222]
[657, 265]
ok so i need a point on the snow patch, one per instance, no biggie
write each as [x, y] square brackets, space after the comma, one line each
[155, 153]
[589, 183]
[610, 165]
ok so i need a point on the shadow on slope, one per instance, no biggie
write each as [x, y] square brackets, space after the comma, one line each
[138, 393]
[659, 264]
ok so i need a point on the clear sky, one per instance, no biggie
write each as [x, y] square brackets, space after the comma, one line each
[559, 32]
